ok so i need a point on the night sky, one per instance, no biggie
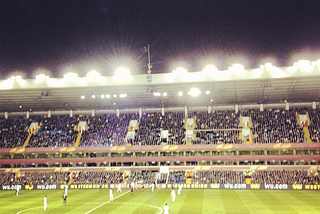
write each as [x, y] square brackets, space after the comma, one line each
[81, 35]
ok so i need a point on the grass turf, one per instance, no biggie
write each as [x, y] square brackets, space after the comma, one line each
[190, 201]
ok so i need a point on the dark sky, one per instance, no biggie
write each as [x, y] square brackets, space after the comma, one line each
[104, 34]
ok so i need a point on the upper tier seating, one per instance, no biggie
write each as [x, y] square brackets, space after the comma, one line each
[217, 127]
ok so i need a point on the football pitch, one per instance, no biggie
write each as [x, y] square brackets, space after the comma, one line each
[191, 201]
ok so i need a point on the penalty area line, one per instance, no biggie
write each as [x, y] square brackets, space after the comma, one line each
[97, 207]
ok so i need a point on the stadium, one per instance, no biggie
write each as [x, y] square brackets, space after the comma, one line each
[225, 141]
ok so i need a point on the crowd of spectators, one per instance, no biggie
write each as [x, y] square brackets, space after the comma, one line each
[146, 177]
[33, 178]
[180, 176]
[285, 177]
[55, 131]
[13, 131]
[314, 126]
[275, 126]
[151, 125]
[107, 130]
[217, 127]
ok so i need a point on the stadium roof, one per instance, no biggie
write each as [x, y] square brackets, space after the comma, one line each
[267, 85]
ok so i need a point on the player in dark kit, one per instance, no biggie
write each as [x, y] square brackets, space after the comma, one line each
[131, 190]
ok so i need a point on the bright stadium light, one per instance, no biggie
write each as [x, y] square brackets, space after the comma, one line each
[122, 74]
[180, 71]
[210, 69]
[102, 96]
[180, 93]
[274, 71]
[108, 96]
[20, 81]
[316, 63]
[41, 77]
[157, 94]
[256, 73]
[207, 92]
[93, 76]
[194, 92]
[222, 75]
[164, 94]
[70, 77]
[123, 95]
[6, 84]
[237, 69]
[304, 66]
[83, 97]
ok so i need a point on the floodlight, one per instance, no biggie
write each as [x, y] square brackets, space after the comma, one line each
[108, 96]
[304, 66]
[69, 77]
[122, 74]
[274, 71]
[207, 92]
[93, 76]
[180, 93]
[194, 92]
[316, 62]
[164, 94]
[222, 75]
[210, 68]
[41, 77]
[180, 71]
[83, 97]
[20, 81]
[123, 95]
[256, 73]
[237, 69]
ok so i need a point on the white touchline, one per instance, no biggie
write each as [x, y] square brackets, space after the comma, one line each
[22, 211]
[106, 202]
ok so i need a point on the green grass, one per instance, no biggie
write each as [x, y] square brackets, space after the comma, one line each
[147, 202]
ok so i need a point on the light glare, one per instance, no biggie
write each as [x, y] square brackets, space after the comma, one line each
[180, 71]
[70, 77]
[122, 74]
[194, 92]
[93, 76]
